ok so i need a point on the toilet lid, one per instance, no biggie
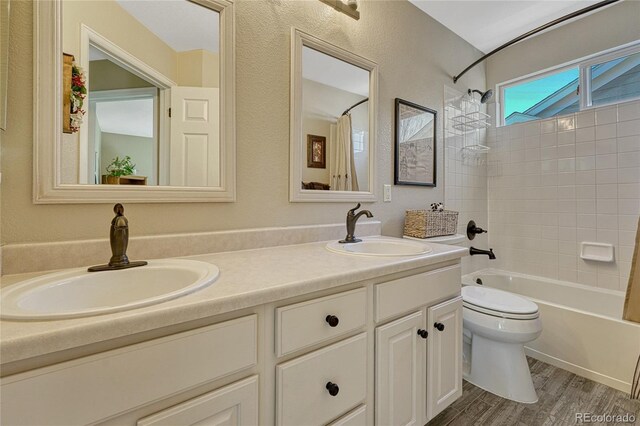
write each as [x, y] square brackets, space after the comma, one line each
[497, 300]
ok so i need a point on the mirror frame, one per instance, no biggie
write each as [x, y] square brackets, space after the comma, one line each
[296, 161]
[47, 188]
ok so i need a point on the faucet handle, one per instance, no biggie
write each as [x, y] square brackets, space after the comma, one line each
[353, 210]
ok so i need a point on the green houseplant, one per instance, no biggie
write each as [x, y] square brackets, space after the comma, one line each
[120, 167]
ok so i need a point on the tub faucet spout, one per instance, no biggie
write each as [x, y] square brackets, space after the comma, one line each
[352, 218]
[474, 251]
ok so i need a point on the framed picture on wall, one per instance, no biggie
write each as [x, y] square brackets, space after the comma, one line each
[316, 152]
[415, 145]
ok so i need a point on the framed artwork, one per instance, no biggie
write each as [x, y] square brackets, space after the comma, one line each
[415, 145]
[316, 152]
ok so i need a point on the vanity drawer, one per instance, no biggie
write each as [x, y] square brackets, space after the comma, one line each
[304, 324]
[107, 384]
[405, 294]
[302, 393]
[357, 417]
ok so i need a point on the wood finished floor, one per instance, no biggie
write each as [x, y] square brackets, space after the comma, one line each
[561, 395]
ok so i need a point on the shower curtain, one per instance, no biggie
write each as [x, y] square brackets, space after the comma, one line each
[632, 307]
[344, 177]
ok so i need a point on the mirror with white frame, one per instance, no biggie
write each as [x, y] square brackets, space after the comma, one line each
[144, 109]
[333, 103]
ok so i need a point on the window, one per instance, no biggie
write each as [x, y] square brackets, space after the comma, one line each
[603, 79]
[548, 96]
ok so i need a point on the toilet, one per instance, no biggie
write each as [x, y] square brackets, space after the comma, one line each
[497, 324]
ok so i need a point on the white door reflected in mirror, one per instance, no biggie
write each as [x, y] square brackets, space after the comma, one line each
[332, 122]
[151, 112]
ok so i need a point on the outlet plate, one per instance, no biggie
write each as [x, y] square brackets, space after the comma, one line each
[387, 193]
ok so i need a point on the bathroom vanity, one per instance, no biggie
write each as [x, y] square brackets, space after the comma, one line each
[288, 335]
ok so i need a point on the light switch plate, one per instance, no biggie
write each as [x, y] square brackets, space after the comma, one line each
[387, 193]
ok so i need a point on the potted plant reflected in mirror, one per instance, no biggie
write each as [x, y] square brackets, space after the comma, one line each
[117, 168]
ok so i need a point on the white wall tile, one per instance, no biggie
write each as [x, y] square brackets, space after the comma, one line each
[585, 119]
[584, 149]
[585, 163]
[568, 164]
[628, 128]
[567, 122]
[606, 176]
[606, 115]
[577, 180]
[566, 151]
[629, 111]
[629, 159]
[586, 177]
[629, 175]
[608, 191]
[606, 131]
[585, 135]
[606, 146]
[549, 139]
[629, 143]
[629, 190]
[606, 161]
[567, 138]
[548, 126]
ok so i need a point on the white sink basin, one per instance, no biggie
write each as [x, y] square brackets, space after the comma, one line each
[78, 293]
[375, 246]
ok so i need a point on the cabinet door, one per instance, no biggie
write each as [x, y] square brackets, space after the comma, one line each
[444, 355]
[400, 378]
[233, 405]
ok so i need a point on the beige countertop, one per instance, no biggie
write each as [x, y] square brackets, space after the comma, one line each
[248, 278]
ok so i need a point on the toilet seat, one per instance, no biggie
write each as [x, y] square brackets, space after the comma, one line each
[498, 303]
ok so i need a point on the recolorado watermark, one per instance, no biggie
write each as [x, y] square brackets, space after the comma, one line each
[584, 418]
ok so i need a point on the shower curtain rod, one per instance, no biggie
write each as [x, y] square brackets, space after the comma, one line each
[537, 30]
[346, 111]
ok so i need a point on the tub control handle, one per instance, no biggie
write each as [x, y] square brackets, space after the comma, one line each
[423, 333]
[332, 320]
[333, 389]
[439, 326]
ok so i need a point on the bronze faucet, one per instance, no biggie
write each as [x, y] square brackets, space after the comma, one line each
[119, 239]
[352, 218]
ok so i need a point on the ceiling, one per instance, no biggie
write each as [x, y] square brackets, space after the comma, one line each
[333, 72]
[183, 25]
[489, 24]
[127, 117]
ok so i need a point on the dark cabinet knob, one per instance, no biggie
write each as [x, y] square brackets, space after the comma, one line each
[439, 326]
[332, 320]
[333, 389]
[423, 333]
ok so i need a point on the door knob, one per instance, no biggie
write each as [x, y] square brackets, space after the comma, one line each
[423, 333]
[439, 326]
[332, 388]
[332, 320]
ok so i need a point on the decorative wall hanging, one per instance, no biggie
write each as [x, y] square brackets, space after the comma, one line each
[316, 152]
[415, 144]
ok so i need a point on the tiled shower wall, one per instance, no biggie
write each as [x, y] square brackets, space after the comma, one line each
[465, 175]
[555, 183]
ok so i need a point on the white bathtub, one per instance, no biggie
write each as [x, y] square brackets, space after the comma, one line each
[582, 327]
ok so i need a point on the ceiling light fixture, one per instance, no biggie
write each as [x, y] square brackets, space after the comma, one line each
[350, 8]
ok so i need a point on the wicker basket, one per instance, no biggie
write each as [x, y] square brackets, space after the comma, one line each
[428, 223]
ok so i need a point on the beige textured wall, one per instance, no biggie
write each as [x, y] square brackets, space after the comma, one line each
[110, 20]
[416, 56]
[611, 27]
[198, 68]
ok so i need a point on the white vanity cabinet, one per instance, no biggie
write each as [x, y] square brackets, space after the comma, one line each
[419, 355]
[384, 351]
[98, 387]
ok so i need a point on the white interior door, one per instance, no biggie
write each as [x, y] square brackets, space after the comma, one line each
[195, 137]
